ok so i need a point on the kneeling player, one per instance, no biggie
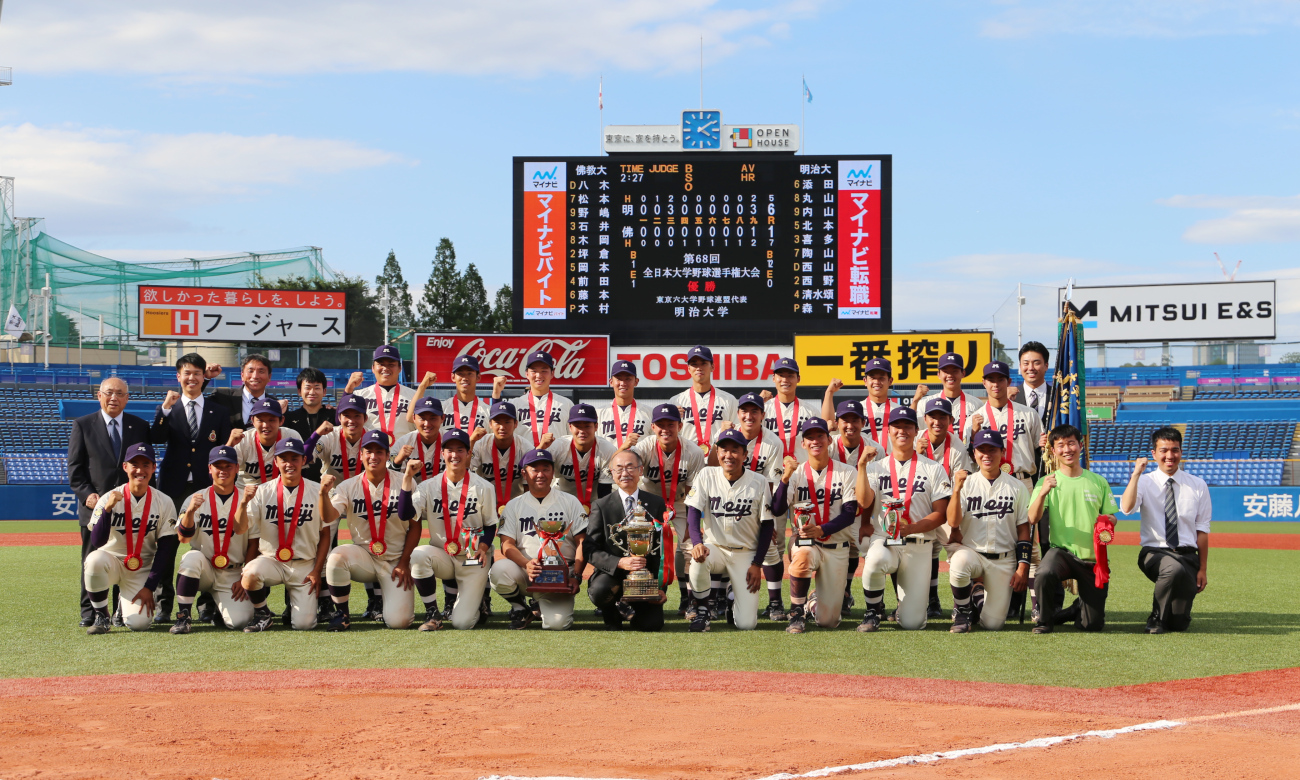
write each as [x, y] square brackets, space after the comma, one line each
[988, 518]
[293, 519]
[729, 515]
[131, 532]
[219, 545]
[379, 515]
[461, 511]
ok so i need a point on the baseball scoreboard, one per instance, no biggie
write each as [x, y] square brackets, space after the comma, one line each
[731, 248]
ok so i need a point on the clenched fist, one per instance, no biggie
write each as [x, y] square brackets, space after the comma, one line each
[404, 452]
[959, 479]
[412, 468]
[196, 502]
[251, 490]
[1140, 466]
[325, 428]
[327, 483]
[788, 467]
[236, 436]
[478, 433]
[111, 499]
[548, 439]
[835, 386]
[498, 386]
[170, 399]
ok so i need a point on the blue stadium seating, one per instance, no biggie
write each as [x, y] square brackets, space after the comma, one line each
[1263, 473]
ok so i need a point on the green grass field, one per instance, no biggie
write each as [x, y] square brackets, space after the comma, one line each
[1247, 620]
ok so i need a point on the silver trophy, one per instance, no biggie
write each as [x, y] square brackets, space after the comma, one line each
[637, 536]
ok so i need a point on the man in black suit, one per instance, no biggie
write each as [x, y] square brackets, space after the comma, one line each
[190, 424]
[255, 371]
[1036, 390]
[605, 586]
[95, 452]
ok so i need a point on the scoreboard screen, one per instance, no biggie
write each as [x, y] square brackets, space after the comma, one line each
[722, 247]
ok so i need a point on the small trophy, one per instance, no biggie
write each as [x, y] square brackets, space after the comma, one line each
[891, 510]
[556, 575]
[803, 515]
[637, 533]
[469, 538]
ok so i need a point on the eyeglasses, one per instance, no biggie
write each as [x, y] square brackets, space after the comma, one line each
[628, 469]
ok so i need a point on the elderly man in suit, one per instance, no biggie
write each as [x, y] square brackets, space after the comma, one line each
[605, 586]
[95, 450]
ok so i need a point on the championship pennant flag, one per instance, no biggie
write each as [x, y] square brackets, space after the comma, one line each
[1067, 403]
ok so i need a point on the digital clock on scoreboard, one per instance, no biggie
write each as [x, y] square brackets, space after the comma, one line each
[704, 246]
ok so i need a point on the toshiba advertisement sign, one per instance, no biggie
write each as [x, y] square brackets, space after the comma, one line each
[1217, 311]
[732, 366]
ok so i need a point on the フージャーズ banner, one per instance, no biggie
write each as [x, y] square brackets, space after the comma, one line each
[232, 314]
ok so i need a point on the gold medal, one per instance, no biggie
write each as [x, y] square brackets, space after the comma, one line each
[501, 510]
[133, 563]
[1104, 536]
[377, 548]
[220, 561]
[284, 554]
[452, 548]
[1006, 468]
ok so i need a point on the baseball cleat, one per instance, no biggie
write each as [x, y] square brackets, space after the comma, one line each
[432, 623]
[598, 612]
[99, 624]
[718, 609]
[520, 618]
[286, 617]
[1153, 620]
[700, 623]
[484, 611]
[536, 608]
[182, 624]
[205, 614]
[934, 610]
[118, 622]
[1042, 629]
[776, 611]
[1158, 629]
[340, 621]
[870, 622]
[892, 617]
[961, 623]
[262, 621]
[797, 624]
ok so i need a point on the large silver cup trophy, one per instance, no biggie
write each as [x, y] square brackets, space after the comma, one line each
[638, 536]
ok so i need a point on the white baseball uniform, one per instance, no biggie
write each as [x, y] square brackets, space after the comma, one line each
[991, 515]
[529, 407]
[613, 420]
[379, 408]
[721, 402]
[730, 516]
[466, 415]
[507, 468]
[333, 449]
[689, 459]
[106, 567]
[876, 426]
[356, 562]
[197, 562]
[265, 523]
[519, 522]
[562, 450]
[248, 450]
[784, 419]
[433, 560]
[764, 454]
[953, 457]
[963, 406]
[1024, 441]
[828, 557]
[429, 454]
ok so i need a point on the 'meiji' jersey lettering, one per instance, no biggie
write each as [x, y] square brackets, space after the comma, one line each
[732, 508]
[376, 506]
[305, 516]
[837, 493]
[977, 506]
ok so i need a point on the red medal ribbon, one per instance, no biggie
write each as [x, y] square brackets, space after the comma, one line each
[757, 441]
[220, 539]
[449, 535]
[618, 425]
[667, 545]
[871, 419]
[473, 418]
[584, 496]
[261, 464]
[911, 483]
[532, 412]
[286, 537]
[1101, 569]
[947, 452]
[343, 447]
[703, 434]
[503, 496]
[391, 429]
[1008, 457]
[133, 551]
[668, 489]
[419, 451]
[821, 516]
[961, 423]
[844, 452]
[787, 445]
[370, 512]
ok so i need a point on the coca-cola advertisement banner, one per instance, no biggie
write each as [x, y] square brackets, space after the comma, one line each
[580, 361]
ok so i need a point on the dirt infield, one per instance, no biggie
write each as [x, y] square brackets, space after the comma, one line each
[626, 723]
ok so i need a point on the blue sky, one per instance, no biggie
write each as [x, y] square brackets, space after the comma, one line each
[1032, 141]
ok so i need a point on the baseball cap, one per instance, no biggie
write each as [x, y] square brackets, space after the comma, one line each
[849, 407]
[375, 436]
[540, 356]
[733, 436]
[902, 414]
[751, 399]
[429, 405]
[465, 361]
[785, 364]
[455, 434]
[582, 413]
[141, 450]
[387, 352]
[288, 446]
[699, 351]
[987, 437]
[622, 367]
[666, 412]
[503, 409]
[351, 402]
[813, 424]
[996, 367]
[938, 405]
[222, 453]
[952, 359]
[265, 406]
[538, 455]
[878, 364]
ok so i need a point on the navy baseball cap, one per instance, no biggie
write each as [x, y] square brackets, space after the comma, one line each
[503, 409]
[996, 367]
[699, 351]
[878, 364]
[938, 405]
[288, 446]
[622, 367]
[375, 436]
[785, 364]
[733, 436]
[455, 434]
[465, 361]
[813, 424]
[222, 453]
[751, 399]
[387, 352]
[140, 450]
[536, 456]
[902, 414]
[540, 356]
[582, 413]
[350, 402]
[429, 405]
[849, 407]
[952, 359]
[265, 406]
[666, 412]
[987, 437]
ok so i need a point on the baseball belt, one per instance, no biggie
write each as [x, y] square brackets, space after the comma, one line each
[996, 556]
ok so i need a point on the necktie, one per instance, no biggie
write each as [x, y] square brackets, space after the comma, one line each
[1171, 515]
[194, 421]
[115, 438]
[629, 505]
[1033, 399]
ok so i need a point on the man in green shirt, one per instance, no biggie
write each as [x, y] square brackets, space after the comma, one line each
[1073, 498]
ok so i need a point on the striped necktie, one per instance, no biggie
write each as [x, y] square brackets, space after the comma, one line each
[1171, 515]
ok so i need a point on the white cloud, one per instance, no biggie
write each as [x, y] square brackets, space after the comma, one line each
[242, 38]
[1252, 219]
[1145, 19]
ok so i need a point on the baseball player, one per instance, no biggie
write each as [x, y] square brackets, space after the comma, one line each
[988, 518]
[623, 418]
[540, 410]
[703, 406]
[821, 545]
[849, 447]
[387, 400]
[921, 489]
[729, 515]
[425, 442]
[385, 531]
[952, 371]
[461, 511]
[522, 545]
[785, 414]
[132, 529]
[671, 464]
[498, 458]
[879, 377]
[763, 456]
[293, 520]
[582, 458]
[217, 533]
[338, 447]
[255, 446]
[938, 443]
[466, 410]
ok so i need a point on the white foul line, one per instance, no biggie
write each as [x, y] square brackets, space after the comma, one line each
[1002, 747]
